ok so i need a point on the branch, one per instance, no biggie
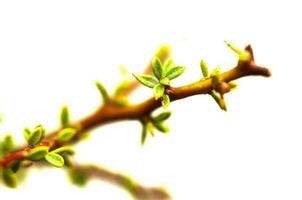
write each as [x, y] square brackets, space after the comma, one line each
[137, 190]
[112, 112]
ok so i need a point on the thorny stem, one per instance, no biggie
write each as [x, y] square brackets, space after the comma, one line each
[110, 112]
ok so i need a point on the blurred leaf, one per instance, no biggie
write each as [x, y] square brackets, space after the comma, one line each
[158, 91]
[78, 177]
[64, 116]
[102, 91]
[64, 150]
[6, 144]
[66, 134]
[144, 133]
[161, 127]
[165, 101]
[15, 166]
[150, 128]
[204, 68]
[156, 67]
[146, 80]
[26, 133]
[54, 159]
[37, 153]
[9, 178]
[175, 72]
[162, 116]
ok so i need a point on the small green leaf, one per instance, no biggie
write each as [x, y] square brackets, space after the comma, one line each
[36, 135]
[175, 72]
[144, 134]
[219, 100]
[162, 116]
[6, 144]
[233, 85]
[102, 91]
[158, 91]
[165, 81]
[26, 133]
[204, 68]
[169, 64]
[243, 55]
[161, 127]
[64, 116]
[146, 80]
[65, 150]
[156, 67]
[165, 101]
[9, 178]
[66, 134]
[150, 128]
[54, 159]
[37, 153]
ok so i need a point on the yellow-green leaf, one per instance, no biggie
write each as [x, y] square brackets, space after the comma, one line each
[66, 134]
[54, 159]
[37, 153]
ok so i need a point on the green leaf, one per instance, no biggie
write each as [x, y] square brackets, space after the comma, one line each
[66, 134]
[6, 144]
[38, 153]
[156, 67]
[243, 55]
[26, 133]
[165, 101]
[147, 80]
[144, 134]
[162, 116]
[175, 72]
[102, 91]
[65, 150]
[204, 68]
[169, 64]
[36, 135]
[161, 127]
[158, 91]
[9, 178]
[64, 116]
[54, 159]
[165, 81]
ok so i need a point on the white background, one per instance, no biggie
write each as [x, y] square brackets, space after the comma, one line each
[51, 52]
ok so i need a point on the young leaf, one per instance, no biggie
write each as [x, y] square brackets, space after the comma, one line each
[243, 55]
[26, 133]
[161, 127]
[9, 178]
[233, 85]
[162, 116]
[54, 159]
[219, 100]
[146, 80]
[156, 67]
[150, 128]
[169, 64]
[165, 101]
[38, 153]
[7, 144]
[158, 91]
[64, 116]
[204, 68]
[175, 72]
[64, 150]
[36, 135]
[165, 81]
[66, 134]
[103, 91]
[144, 134]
